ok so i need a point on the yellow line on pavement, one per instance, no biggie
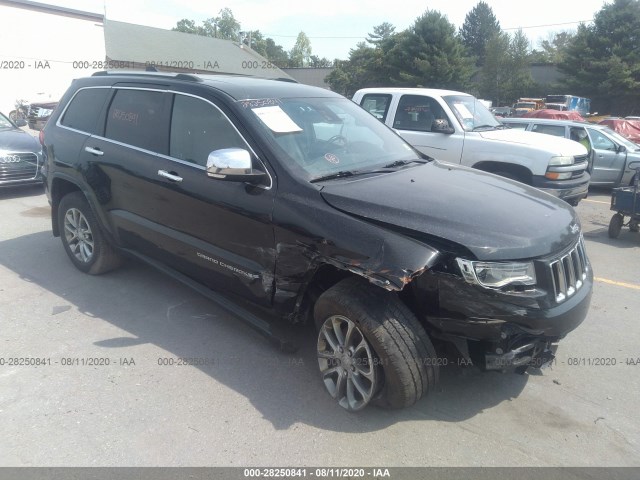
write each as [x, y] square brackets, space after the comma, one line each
[619, 284]
[596, 201]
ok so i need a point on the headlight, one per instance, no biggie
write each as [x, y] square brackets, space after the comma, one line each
[497, 274]
[561, 161]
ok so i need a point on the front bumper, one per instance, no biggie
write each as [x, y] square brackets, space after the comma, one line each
[569, 190]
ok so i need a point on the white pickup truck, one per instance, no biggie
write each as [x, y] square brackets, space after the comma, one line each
[455, 127]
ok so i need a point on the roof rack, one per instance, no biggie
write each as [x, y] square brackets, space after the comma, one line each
[178, 76]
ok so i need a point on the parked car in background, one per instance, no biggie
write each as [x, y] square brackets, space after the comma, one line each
[455, 127]
[39, 114]
[20, 155]
[610, 154]
[502, 111]
[265, 193]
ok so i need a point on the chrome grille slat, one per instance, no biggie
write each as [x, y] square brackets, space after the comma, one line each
[569, 272]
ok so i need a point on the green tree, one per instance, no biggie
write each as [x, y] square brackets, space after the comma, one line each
[506, 74]
[429, 54]
[479, 26]
[301, 51]
[365, 68]
[553, 49]
[602, 60]
[227, 27]
[381, 33]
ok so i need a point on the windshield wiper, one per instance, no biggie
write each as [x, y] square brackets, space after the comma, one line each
[340, 174]
[402, 163]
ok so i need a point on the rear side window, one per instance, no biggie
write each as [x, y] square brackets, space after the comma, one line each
[198, 128]
[556, 130]
[84, 109]
[376, 104]
[139, 118]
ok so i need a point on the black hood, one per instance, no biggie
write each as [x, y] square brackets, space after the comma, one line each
[495, 218]
[14, 140]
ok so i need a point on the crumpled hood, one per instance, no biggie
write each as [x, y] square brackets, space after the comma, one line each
[495, 218]
[16, 140]
[555, 145]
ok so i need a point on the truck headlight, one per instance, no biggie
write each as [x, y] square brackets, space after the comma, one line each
[561, 161]
[497, 274]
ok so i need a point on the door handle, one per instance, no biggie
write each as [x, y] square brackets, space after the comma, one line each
[170, 176]
[94, 151]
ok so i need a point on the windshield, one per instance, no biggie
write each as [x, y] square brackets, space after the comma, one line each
[4, 122]
[326, 136]
[471, 113]
[633, 147]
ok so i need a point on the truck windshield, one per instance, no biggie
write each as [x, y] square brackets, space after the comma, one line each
[471, 113]
[320, 137]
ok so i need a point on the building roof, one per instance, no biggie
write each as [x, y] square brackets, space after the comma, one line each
[175, 51]
[53, 9]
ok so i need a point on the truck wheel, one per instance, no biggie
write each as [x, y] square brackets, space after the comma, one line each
[82, 238]
[615, 225]
[371, 348]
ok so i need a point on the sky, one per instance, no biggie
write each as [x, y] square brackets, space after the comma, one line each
[335, 26]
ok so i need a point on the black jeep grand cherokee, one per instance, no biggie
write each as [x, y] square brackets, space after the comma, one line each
[294, 199]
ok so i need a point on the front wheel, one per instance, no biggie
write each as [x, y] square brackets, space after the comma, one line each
[371, 348]
[82, 238]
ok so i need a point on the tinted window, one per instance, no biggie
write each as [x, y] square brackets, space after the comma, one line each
[86, 105]
[416, 112]
[198, 128]
[556, 130]
[138, 118]
[376, 104]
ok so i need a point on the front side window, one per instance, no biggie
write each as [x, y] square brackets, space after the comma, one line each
[84, 109]
[139, 118]
[198, 128]
[600, 141]
[417, 113]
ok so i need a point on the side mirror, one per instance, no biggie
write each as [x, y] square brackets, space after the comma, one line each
[21, 122]
[233, 164]
[622, 149]
[442, 126]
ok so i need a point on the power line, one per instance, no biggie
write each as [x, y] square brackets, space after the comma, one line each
[550, 25]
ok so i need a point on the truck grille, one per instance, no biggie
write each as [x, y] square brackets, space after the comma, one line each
[18, 166]
[569, 272]
[580, 160]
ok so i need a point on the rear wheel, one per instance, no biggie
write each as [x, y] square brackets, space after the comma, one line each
[615, 225]
[371, 348]
[82, 238]
[633, 226]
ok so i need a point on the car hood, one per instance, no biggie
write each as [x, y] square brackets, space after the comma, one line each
[555, 145]
[16, 140]
[493, 217]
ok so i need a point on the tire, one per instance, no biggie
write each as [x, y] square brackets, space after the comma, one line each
[82, 237]
[388, 353]
[615, 225]
[634, 226]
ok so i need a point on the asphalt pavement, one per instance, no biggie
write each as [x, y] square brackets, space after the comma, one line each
[132, 368]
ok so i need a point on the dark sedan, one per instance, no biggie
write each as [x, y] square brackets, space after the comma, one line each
[20, 155]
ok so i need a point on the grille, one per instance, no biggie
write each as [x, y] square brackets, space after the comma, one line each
[569, 272]
[25, 169]
[580, 160]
